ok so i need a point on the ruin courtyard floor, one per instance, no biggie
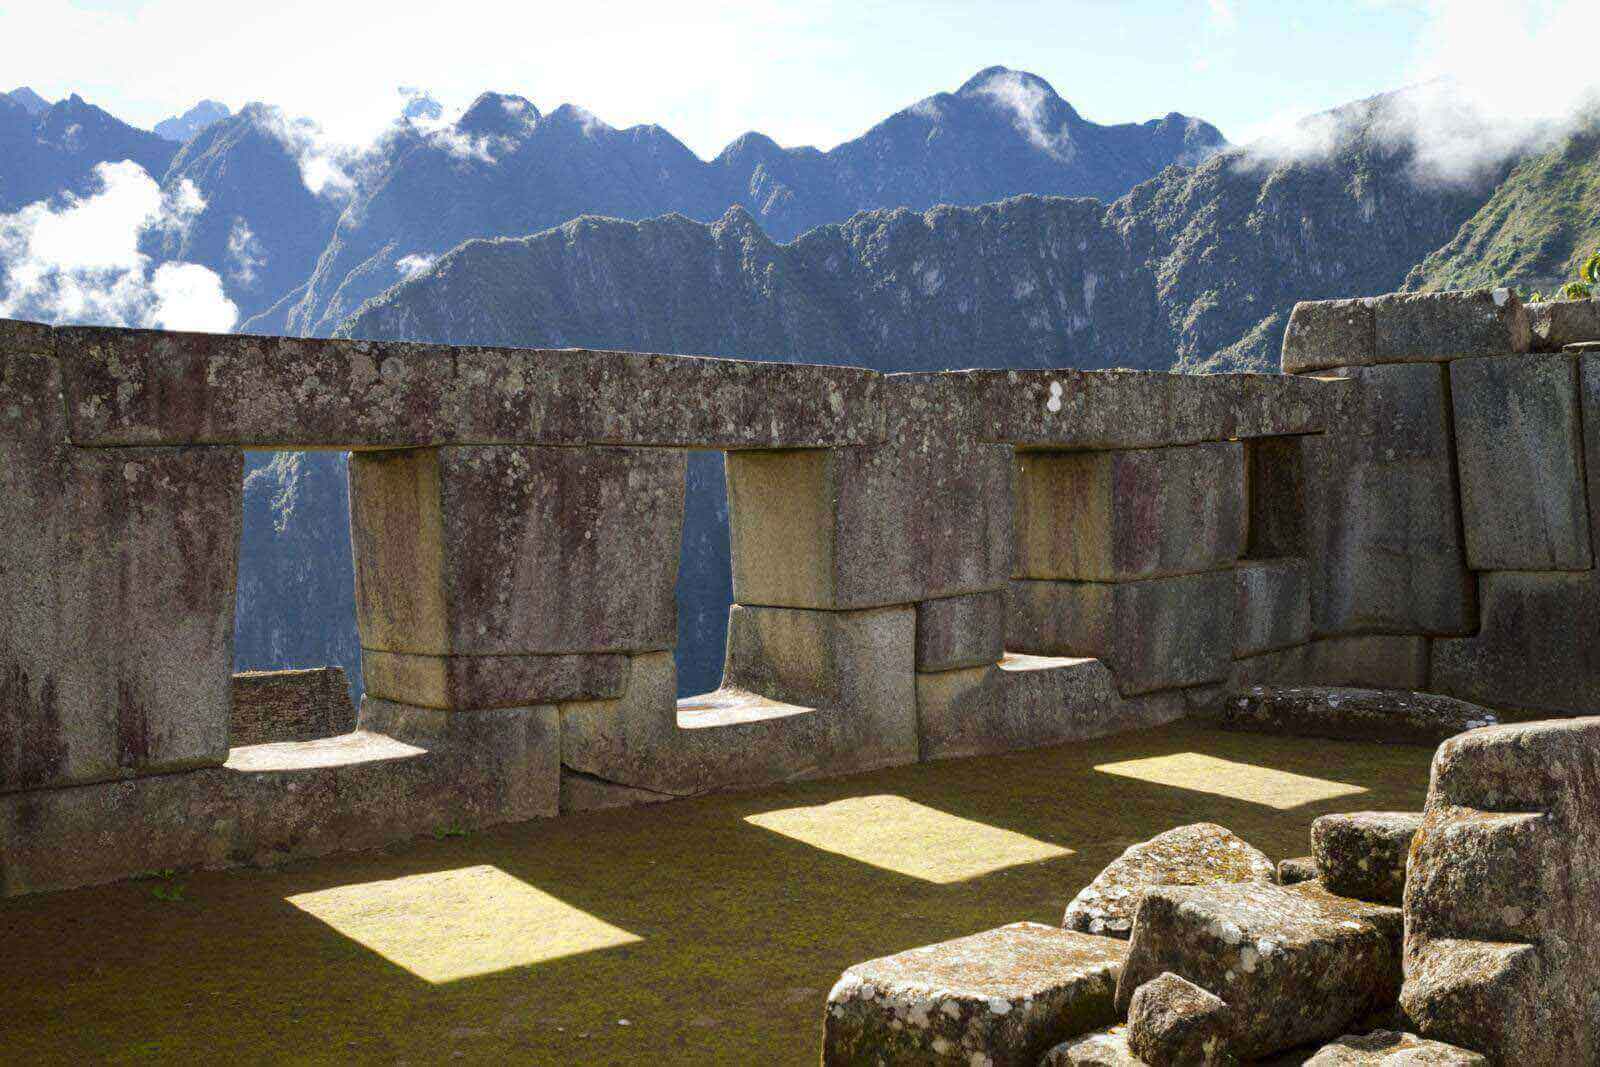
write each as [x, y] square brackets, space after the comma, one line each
[705, 931]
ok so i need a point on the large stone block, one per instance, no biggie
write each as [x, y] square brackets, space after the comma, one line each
[1027, 702]
[1162, 633]
[1555, 324]
[512, 550]
[1362, 854]
[1329, 333]
[1437, 327]
[1387, 716]
[143, 387]
[1129, 514]
[117, 571]
[1103, 409]
[1385, 537]
[1002, 997]
[1295, 964]
[927, 515]
[1273, 610]
[1519, 451]
[1174, 1023]
[961, 631]
[1502, 947]
[478, 682]
[805, 694]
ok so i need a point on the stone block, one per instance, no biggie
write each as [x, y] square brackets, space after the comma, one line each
[1201, 854]
[1273, 608]
[144, 387]
[1027, 702]
[961, 631]
[1437, 327]
[1175, 1023]
[1390, 1048]
[1103, 409]
[1390, 716]
[805, 694]
[1519, 451]
[1385, 538]
[300, 705]
[1554, 324]
[926, 516]
[1103, 1048]
[1502, 949]
[1362, 854]
[117, 570]
[1129, 514]
[1379, 661]
[511, 550]
[477, 682]
[1162, 633]
[1003, 997]
[1329, 333]
[1297, 870]
[1295, 964]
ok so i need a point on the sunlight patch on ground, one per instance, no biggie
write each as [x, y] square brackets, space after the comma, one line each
[1224, 778]
[908, 838]
[446, 925]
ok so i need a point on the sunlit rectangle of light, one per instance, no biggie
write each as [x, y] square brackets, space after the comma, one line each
[446, 925]
[900, 835]
[1224, 778]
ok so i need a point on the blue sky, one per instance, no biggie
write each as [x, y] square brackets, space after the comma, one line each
[812, 73]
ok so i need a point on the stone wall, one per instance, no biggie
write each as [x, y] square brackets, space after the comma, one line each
[301, 705]
[924, 565]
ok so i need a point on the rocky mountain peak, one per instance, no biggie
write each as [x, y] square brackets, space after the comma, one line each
[30, 101]
[498, 115]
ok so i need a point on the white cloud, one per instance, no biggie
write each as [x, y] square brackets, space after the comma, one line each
[410, 266]
[246, 254]
[77, 259]
[1025, 98]
[1223, 13]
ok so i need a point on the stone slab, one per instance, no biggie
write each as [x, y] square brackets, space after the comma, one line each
[296, 705]
[1199, 854]
[1002, 997]
[1391, 1048]
[1391, 716]
[961, 631]
[1273, 607]
[1162, 633]
[1455, 324]
[145, 387]
[1129, 514]
[1065, 408]
[1554, 324]
[468, 683]
[513, 550]
[1362, 854]
[1295, 964]
[1329, 333]
[1519, 454]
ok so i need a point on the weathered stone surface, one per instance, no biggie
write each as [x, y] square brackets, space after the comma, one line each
[1519, 451]
[1162, 633]
[1297, 870]
[961, 631]
[1104, 1048]
[1329, 333]
[1201, 854]
[131, 387]
[1390, 1048]
[478, 682]
[1381, 513]
[273, 803]
[1502, 946]
[805, 694]
[1029, 701]
[301, 705]
[1129, 514]
[1380, 661]
[1066, 408]
[1362, 854]
[926, 516]
[1273, 608]
[117, 573]
[1387, 715]
[1003, 997]
[1554, 324]
[1295, 964]
[585, 792]
[1423, 327]
[504, 550]
[1175, 1023]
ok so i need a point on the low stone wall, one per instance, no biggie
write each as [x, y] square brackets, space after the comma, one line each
[301, 705]
[924, 565]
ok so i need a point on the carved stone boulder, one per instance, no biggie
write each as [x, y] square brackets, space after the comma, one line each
[1175, 1023]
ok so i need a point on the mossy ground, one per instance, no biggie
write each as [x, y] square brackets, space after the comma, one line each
[722, 934]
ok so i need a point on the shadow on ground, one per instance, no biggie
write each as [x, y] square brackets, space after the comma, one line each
[714, 927]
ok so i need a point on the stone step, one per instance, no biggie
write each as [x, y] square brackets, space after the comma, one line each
[1478, 874]
[1477, 994]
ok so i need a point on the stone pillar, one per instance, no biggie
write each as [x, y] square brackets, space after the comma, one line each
[117, 570]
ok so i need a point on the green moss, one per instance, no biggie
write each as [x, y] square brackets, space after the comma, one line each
[740, 930]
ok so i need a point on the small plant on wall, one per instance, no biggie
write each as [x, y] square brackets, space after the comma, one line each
[1580, 288]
